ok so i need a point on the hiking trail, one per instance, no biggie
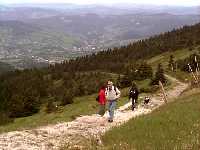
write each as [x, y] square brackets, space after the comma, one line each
[52, 137]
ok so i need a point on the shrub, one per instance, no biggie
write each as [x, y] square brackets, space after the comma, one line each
[50, 107]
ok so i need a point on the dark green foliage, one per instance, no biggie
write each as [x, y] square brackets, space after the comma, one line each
[125, 82]
[5, 118]
[23, 91]
[150, 89]
[159, 76]
[144, 71]
[67, 97]
[171, 64]
[4, 97]
[50, 107]
[137, 71]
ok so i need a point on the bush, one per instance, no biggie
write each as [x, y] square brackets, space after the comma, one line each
[50, 107]
[145, 90]
[67, 98]
[5, 118]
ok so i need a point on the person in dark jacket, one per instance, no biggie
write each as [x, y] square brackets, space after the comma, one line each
[133, 95]
[102, 101]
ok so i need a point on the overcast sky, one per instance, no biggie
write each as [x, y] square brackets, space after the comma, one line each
[157, 2]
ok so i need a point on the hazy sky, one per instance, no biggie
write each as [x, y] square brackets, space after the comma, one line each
[157, 2]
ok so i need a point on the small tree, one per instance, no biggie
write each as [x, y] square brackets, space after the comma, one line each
[171, 65]
[159, 76]
[50, 107]
[67, 97]
[118, 84]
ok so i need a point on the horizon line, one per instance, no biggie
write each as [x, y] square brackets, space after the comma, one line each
[117, 3]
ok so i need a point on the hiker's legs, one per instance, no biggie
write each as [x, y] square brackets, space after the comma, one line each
[133, 103]
[112, 105]
[136, 100]
[101, 110]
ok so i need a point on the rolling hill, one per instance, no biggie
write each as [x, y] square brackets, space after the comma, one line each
[115, 30]
[19, 41]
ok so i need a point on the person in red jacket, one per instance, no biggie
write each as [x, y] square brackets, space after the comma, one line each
[102, 101]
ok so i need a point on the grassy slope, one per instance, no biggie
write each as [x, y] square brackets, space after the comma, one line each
[82, 106]
[164, 59]
[69, 112]
[173, 126]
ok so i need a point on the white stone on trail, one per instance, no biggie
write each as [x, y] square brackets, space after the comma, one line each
[52, 137]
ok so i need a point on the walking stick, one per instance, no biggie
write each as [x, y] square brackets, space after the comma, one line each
[163, 91]
[190, 69]
[197, 67]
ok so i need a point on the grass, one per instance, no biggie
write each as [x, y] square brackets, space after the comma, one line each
[181, 75]
[173, 126]
[81, 106]
[164, 58]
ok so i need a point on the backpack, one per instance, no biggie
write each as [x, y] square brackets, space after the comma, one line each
[115, 90]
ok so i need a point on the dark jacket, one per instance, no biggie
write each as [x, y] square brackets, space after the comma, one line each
[133, 93]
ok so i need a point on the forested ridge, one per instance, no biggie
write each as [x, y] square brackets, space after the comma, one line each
[22, 93]
[113, 60]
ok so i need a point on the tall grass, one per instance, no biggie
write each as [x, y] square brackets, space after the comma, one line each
[173, 126]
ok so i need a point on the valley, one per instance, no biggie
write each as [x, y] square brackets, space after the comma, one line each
[39, 35]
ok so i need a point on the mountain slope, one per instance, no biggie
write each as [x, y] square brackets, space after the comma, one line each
[69, 133]
[62, 82]
[173, 126]
[114, 30]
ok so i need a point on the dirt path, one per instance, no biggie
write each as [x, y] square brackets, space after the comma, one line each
[54, 136]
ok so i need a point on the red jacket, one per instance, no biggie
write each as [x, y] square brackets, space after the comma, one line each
[102, 97]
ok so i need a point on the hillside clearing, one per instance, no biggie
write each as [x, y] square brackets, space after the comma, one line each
[173, 126]
[56, 136]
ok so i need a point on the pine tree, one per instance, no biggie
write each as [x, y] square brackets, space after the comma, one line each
[159, 76]
[118, 84]
[171, 65]
[50, 107]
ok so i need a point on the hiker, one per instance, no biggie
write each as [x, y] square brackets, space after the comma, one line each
[102, 100]
[112, 95]
[133, 95]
